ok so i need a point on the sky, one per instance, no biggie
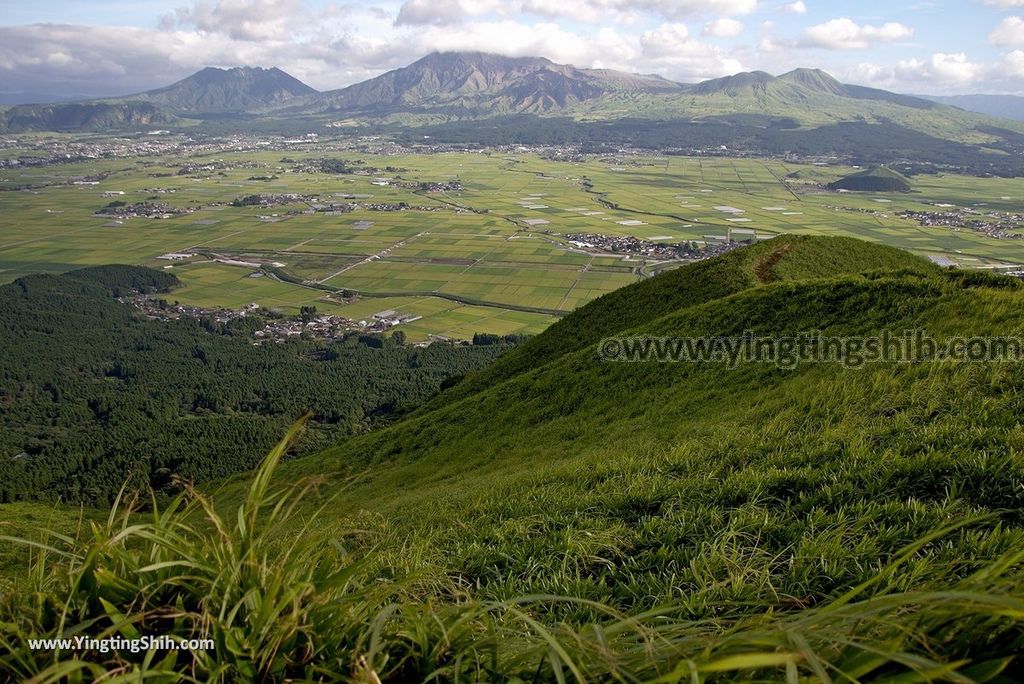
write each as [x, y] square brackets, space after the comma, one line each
[79, 48]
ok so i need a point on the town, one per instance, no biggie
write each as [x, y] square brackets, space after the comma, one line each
[633, 246]
[308, 325]
[316, 205]
[995, 224]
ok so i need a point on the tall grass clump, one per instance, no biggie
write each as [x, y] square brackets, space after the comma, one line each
[282, 604]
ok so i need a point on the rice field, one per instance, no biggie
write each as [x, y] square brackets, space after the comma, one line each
[489, 258]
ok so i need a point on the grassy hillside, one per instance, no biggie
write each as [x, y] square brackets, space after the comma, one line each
[818, 523]
[875, 179]
[788, 257]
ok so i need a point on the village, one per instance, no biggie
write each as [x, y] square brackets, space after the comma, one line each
[994, 224]
[316, 205]
[633, 246]
[157, 210]
[276, 328]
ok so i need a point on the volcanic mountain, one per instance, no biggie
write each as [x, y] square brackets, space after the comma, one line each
[240, 89]
[479, 83]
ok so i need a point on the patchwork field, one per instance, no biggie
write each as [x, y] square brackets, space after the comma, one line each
[490, 257]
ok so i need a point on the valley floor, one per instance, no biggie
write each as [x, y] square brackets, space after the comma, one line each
[497, 255]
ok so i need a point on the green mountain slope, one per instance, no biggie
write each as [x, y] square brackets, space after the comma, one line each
[817, 521]
[640, 484]
[787, 257]
[805, 98]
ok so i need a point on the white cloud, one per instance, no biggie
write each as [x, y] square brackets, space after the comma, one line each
[605, 10]
[845, 34]
[668, 49]
[948, 69]
[585, 11]
[545, 39]
[1011, 66]
[444, 12]
[1005, 4]
[252, 20]
[797, 7]
[940, 73]
[723, 28]
[664, 40]
[1009, 33]
[423, 12]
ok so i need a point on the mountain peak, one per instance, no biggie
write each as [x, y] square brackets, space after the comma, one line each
[816, 79]
[477, 57]
[213, 89]
[736, 84]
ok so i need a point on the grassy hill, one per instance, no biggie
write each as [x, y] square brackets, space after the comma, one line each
[875, 179]
[562, 517]
[786, 257]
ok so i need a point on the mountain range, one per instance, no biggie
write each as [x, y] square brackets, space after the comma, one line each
[474, 83]
[467, 92]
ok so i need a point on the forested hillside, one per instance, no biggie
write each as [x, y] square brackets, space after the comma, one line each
[92, 395]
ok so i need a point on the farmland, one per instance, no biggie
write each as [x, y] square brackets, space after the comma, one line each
[490, 256]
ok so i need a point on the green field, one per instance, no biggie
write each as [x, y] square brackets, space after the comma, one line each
[487, 259]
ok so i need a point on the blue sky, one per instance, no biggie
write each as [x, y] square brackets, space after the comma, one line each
[104, 47]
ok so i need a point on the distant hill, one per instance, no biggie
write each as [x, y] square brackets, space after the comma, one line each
[83, 116]
[875, 179]
[24, 97]
[805, 111]
[1004, 106]
[240, 89]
